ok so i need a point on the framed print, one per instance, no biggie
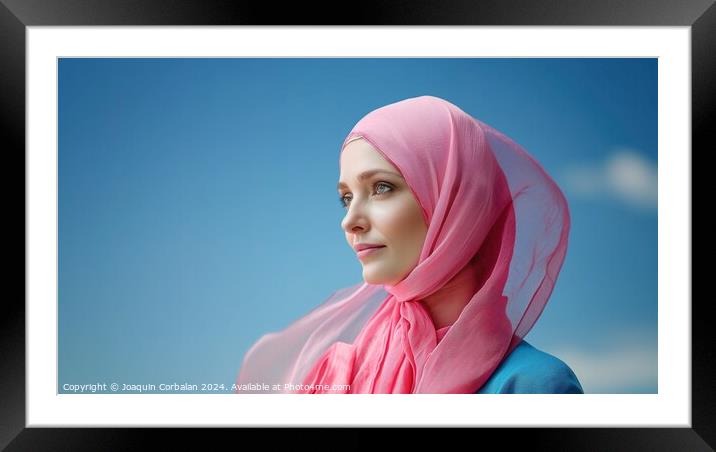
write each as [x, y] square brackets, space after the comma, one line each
[179, 166]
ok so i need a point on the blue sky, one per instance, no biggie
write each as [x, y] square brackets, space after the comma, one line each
[198, 210]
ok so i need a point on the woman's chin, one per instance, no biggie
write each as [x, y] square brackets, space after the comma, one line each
[371, 278]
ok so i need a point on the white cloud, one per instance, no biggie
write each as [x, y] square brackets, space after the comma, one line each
[630, 361]
[613, 372]
[625, 175]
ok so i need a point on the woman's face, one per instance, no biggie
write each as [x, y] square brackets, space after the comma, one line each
[380, 210]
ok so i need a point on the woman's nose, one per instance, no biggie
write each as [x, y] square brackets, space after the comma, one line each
[355, 219]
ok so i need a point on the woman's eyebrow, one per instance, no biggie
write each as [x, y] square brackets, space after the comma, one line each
[366, 174]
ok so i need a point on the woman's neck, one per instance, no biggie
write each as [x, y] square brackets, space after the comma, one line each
[445, 305]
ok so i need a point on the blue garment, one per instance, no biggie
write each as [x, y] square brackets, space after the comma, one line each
[528, 370]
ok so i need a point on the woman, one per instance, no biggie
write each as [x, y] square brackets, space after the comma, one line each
[461, 235]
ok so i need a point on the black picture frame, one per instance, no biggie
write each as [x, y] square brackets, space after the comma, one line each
[16, 15]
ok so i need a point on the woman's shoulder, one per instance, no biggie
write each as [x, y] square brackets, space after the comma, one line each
[529, 370]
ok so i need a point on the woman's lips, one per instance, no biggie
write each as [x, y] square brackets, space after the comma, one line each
[369, 252]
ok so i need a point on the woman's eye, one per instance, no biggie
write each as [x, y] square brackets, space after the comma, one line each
[383, 184]
[345, 199]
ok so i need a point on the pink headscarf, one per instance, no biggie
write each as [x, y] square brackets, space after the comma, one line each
[483, 198]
